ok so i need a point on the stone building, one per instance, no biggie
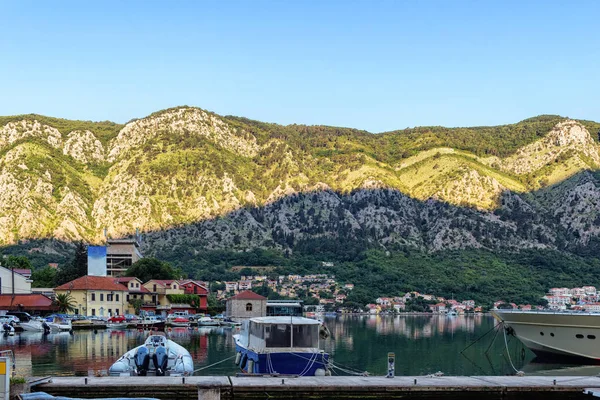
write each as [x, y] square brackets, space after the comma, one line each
[246, 305]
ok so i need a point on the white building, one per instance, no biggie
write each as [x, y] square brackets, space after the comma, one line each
[12, 282]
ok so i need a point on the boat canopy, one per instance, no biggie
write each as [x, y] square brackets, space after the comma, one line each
[283, 332]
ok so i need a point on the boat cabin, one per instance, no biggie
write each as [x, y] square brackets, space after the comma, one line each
[282, 332]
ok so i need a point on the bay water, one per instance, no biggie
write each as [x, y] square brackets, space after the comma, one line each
[359, 344]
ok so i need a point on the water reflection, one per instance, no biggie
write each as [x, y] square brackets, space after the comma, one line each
[423, 344]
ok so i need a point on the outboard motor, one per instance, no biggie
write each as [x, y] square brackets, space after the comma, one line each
[6, 327]
[160, 358]
[46, 327]
[142, 361]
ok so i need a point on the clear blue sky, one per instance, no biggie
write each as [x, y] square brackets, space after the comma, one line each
[374, 65]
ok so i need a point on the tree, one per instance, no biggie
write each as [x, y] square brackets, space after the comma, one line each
[74, 269]
[17, 262]
[152, 268]
[44, 278]
[137, 304]
[64, 302]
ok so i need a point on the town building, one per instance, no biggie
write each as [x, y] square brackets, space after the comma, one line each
[34, 304]
[12, 282]
[121, 254]
[96, 295]
[246, 305]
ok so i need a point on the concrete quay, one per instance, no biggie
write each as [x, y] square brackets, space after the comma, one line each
[336, 387]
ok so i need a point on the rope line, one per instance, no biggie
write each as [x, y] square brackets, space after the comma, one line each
[212, 365]
[508, 353]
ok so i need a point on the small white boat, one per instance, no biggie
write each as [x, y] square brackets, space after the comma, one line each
[59, 324]
[150, 322]
[158, 356]
[180, 322]
[27, 322]
[117, 325]
[207, 321]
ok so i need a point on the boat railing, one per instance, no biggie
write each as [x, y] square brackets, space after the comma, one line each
[553, 312]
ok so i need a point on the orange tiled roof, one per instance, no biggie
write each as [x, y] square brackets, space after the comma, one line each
[92, 283]
[27, 301]
[248, 295]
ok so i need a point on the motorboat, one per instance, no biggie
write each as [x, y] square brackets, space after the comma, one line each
[180, 322]
[27, 322]
[59, 324]
[207, 321]
[150, 322]
[117, 325]
[229, 322]
[281, 345]
[555, 334]
[158, 356]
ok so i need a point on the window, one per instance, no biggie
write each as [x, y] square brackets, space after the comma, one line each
[591, 337]
[249, 307]
[131, 284]
[101, 296]
[579, 336]
[93, 311]
[110, 311]
[154, 290]
[117, 297]
[109, 297]
[117, 311]
[93, 297]
[127, 297]
[137, 285]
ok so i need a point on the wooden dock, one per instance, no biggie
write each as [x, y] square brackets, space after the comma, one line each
[336, 387]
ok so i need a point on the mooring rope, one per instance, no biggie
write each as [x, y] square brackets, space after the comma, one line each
[520, 373]
[212, 365]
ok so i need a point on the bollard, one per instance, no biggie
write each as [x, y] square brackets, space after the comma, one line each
[391, 365]
[86, 381]
[415, 381]
[554, 382]
[183, 380]
[282, 381]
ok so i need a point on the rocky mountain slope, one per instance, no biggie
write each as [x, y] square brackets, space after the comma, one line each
[196, 180]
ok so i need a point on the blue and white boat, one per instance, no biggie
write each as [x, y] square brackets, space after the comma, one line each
[281, 346]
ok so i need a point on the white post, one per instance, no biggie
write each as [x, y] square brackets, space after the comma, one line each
[5, 378]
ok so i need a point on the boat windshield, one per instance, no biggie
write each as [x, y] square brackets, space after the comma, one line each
[284, 335]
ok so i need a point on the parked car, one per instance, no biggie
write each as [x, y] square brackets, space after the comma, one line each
[117, 318]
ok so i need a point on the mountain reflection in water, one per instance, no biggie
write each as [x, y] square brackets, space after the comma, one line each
[423, 344]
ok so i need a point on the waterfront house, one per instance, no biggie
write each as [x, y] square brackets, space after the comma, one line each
[245, 305]
[31, 303]
[137, 291]
[199, 289]
[438, 308]
[245, 285]
[231, 286]
[12, 282]
[96, 295]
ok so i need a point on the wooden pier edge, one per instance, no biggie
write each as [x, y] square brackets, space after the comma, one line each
[336, 387]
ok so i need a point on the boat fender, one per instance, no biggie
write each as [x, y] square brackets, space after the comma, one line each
[238, 356]
[250, 366]
[243, 361]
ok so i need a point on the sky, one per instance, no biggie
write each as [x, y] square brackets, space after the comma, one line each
[373, 65]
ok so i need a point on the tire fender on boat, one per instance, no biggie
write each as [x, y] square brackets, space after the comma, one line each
[250, 366]
[238, 357]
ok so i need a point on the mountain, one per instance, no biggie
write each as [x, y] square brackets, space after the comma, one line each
[192, 181]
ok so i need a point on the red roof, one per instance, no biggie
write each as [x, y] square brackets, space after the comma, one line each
[122, 279]
[25, 301]
[92, 283]
[248, 295]
[23, 271]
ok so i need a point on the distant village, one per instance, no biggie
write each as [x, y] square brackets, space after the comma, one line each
[112, 294]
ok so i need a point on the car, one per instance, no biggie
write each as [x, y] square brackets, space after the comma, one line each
[117, 318]
[131, 317]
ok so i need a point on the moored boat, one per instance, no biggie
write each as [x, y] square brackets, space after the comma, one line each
[60, 324]
[180, 322]
[117, 325]
[281, 345]
[207, 321]
[27, 322]
[555, 334]
[150, 322]
[158, 356]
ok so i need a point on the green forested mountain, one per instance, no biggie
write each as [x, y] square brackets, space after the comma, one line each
[200, 186]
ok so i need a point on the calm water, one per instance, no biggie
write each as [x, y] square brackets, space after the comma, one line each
[422, 344]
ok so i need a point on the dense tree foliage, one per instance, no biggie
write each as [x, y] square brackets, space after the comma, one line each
[74, 269]
[152, 268]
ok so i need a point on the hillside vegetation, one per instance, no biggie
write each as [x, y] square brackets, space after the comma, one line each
[196, 182]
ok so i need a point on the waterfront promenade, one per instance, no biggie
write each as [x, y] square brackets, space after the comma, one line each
[341, 387]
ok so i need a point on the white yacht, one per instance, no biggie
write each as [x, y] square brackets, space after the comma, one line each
[547, 333]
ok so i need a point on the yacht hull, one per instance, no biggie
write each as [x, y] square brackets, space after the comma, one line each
[548, 335]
